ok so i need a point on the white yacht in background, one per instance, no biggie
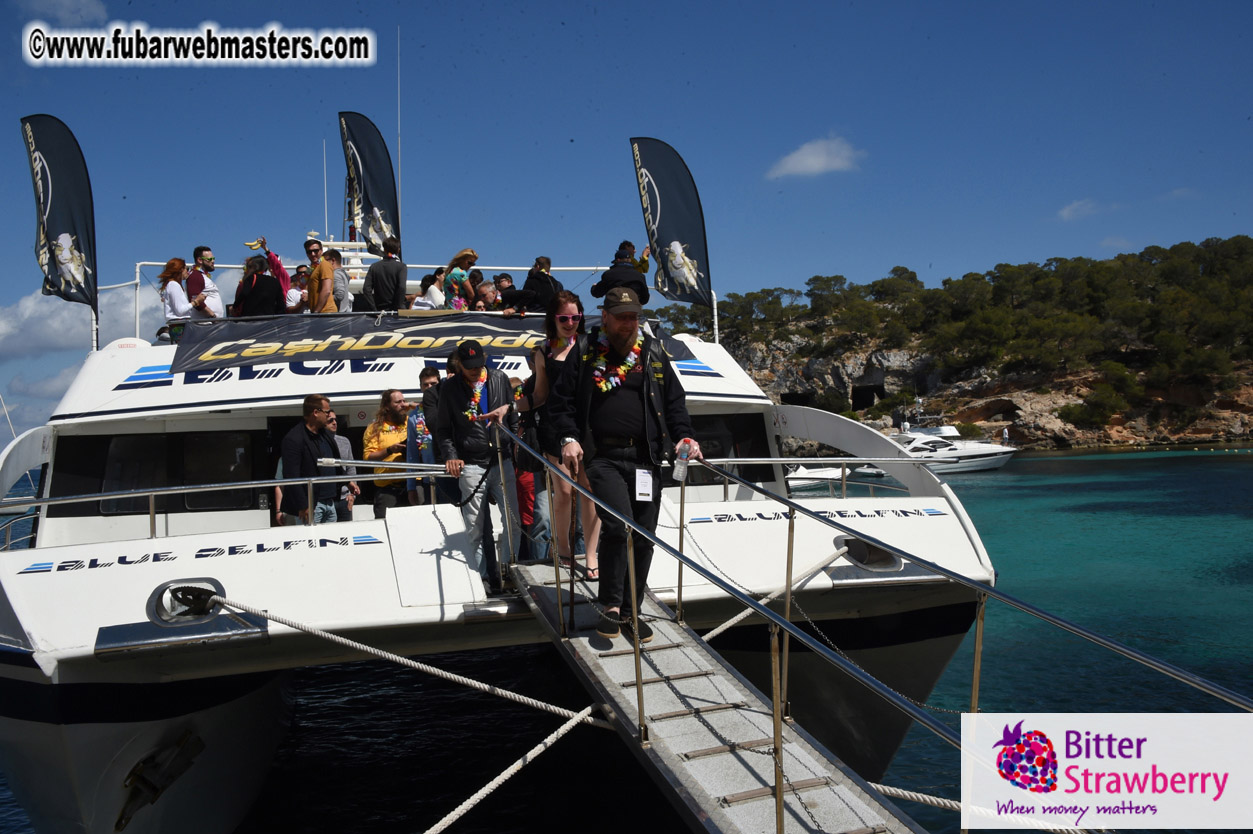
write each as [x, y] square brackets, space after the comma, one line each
[118, 707]
[944, 450]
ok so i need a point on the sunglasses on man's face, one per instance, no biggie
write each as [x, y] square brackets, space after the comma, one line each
[570, 319]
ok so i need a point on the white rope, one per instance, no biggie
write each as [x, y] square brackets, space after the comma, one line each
[508, 772]
[805, 577]
[953, 805]
[413, 664]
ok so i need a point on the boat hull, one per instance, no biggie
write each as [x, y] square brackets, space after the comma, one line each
[68, 756]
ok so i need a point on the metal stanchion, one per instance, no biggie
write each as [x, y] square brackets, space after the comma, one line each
[635, 637]
[776, 700]
[506, 512]
[152, 516]
[843, 480]
[787, 608]
[309, 503]
[682, 517]
[974, 683]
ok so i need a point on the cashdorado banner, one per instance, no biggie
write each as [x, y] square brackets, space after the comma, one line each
[235, 342]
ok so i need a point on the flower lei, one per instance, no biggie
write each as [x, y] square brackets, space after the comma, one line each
[476, 397]
[517, 393]
[424, 436]
[605, 378]
[552, 347]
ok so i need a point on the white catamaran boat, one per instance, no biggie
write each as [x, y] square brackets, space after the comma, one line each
[118, 707]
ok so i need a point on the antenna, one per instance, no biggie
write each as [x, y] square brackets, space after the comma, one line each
[326, 215]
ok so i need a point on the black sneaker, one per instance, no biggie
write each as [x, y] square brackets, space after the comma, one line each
[608, 625]
[646, 631]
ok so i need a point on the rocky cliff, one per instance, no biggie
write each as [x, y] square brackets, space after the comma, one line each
[1182, 413]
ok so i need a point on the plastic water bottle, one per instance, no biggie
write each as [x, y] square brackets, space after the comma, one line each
[680, 463]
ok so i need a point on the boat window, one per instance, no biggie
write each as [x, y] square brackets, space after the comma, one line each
[731, 436]
[217, 458]
[133, 461]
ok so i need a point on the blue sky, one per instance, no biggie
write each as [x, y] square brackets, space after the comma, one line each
[825, 138]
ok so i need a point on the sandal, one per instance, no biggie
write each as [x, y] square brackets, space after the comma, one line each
[592, 574]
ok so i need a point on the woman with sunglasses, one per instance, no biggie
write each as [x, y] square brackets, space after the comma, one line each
[566, 333]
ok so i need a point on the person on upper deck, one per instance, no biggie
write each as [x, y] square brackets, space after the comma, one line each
[303, 446]
[259, 293]
[200, 285]
[624, 272]
[542, 285]
[386, 281]
[512, 300]
[322, 283]
[430, 294]
[276, 266]
[298, 296]
[178, 307]
[342, 292]
[458, 294]
[488, 298]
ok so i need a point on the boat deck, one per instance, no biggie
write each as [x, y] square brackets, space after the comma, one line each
[710, 732]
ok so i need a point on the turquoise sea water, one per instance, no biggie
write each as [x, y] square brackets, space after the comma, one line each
[1154, 549]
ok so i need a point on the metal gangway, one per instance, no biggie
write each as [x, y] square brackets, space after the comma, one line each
[705, 734]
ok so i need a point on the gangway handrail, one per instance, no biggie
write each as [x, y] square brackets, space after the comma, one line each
[1168, 669]
[796, 633]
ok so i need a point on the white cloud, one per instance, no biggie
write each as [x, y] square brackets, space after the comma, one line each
[817, 157]
[41, 324]
[66, 12]
[46, 388]
[1078, 209]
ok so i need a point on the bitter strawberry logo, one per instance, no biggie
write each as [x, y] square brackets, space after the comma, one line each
[1027, 760]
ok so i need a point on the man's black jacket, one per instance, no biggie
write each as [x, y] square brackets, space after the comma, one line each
[665, 416]
[301, 451]
[456, 436]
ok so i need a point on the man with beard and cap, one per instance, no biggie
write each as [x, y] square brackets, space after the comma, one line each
[468, 404]
[199, 282]
[619, 409]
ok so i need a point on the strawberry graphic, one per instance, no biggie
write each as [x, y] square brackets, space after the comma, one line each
[1027, 760]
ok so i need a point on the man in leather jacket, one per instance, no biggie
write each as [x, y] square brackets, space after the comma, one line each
[468, 404]
[622, 406]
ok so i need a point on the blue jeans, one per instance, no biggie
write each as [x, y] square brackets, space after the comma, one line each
[541, 522]
[323, 513]
[474, 511]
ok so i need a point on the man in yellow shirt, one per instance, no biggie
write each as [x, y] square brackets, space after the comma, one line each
[385, 441]
[322, 283]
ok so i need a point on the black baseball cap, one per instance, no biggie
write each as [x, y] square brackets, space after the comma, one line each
[470, 355]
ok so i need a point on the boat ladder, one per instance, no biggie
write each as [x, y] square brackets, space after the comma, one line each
[704, 733]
